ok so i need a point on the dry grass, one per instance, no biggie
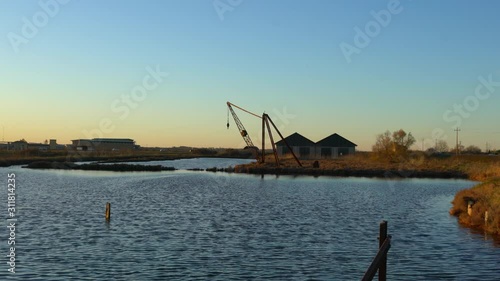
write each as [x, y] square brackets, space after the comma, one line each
[475, 167]
[486, 197]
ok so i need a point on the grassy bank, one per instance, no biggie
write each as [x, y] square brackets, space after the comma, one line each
[485, 206]
[419, 165]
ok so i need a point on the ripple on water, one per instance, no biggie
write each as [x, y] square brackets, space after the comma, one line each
[204, 226]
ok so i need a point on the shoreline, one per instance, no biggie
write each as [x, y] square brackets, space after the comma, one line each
[478, 207]
[5, 163]
[47, 165]
[346, 172]
[252, 168]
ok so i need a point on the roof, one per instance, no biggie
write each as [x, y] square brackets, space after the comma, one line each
[114, 140]
[296, 139]
[40, 144]
[335, 140]
[106, 140]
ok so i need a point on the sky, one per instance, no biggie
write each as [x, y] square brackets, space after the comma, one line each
[161, 72]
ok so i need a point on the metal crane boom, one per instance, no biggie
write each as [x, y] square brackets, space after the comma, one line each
[240, 126]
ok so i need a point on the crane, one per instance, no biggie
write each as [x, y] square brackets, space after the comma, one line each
[240, 126]
[265, 123]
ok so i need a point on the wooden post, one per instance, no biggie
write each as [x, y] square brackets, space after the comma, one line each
[263, 157]
[272, 141]
[485, 217]
[108, 211]
[379, 262]
[382, 270]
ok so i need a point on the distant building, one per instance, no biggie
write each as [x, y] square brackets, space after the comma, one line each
[54, 146]
[22, 145]
[333, 146]
[103, 144]
[303, 147]
[38, 146]
[4, 145]
[19, 145]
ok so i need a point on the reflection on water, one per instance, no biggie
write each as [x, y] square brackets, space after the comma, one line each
[204, 226]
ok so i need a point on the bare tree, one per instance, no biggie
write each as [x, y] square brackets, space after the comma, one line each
[383, 144]
[472, 149]
[395, 146]
[460, 149]
[442, 146]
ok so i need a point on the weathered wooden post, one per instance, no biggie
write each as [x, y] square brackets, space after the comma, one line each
[469, 207]
[379, 263]
[382, 270]
[108, 211]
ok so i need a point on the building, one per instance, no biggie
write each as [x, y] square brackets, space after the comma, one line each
[38, 146]
[22, 145]
[103, 144]
[54, 146]
[4, 145]
[303, 147]
[19, 145]
[332, 146]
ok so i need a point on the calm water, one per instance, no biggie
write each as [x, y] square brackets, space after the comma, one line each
[204, 226]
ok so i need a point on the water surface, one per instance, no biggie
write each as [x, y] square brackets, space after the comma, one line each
[216, 226]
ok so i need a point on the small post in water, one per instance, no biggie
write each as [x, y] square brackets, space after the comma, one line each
[382, 270]
[108, 211]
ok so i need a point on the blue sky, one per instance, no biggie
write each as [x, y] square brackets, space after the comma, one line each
[273, 56]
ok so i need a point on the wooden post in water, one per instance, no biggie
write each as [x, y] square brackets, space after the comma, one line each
[382, 270]
[379, 262]
[108, 211]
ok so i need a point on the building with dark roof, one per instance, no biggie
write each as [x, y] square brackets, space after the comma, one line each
[103, 144]
[332, 146]
[303, 147]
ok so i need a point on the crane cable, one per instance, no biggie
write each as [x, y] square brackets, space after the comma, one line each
[228, 118]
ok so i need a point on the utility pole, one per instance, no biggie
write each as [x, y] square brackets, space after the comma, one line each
[457, 130]
[423, 140]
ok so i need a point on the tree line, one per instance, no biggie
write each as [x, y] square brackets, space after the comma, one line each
[396, 145]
